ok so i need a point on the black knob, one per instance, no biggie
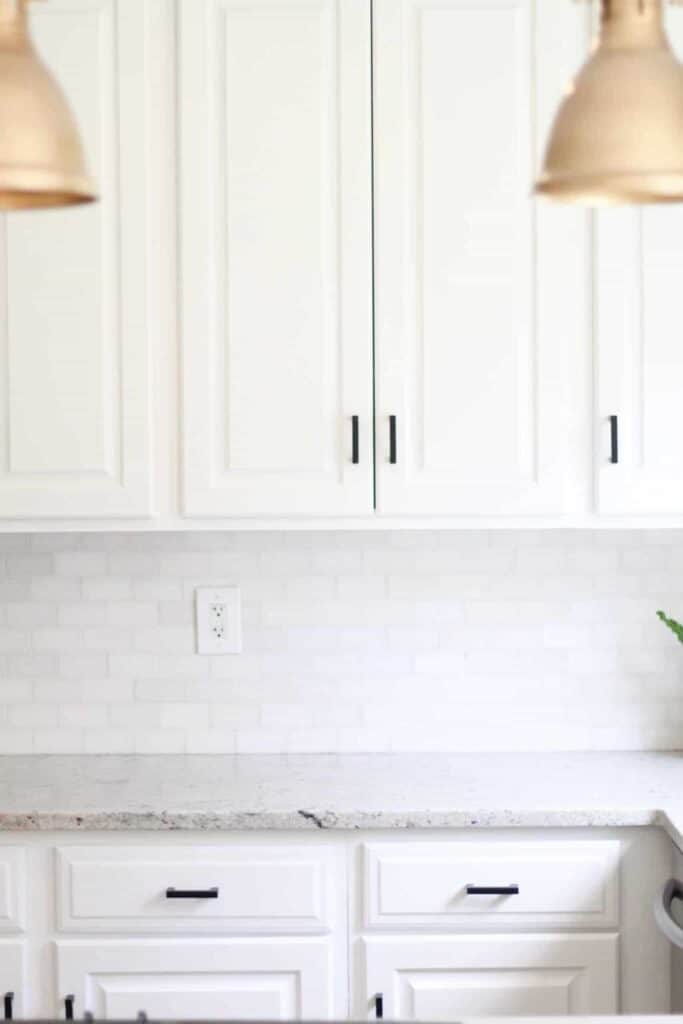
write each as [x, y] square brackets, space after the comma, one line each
[69, 1007]
[9, 999]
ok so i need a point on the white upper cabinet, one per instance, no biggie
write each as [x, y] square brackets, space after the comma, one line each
[478, 287]
[376, 319]
[76, 328]
[276, 257]
[639, 356]
[639, 352]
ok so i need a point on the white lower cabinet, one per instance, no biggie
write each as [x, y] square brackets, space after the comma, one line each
[234, 979]
[442, 925]
[445, 978]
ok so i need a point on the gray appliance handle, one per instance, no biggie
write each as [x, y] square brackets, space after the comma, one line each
[673, 890]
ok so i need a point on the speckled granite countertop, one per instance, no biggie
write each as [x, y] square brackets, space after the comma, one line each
[399, 791]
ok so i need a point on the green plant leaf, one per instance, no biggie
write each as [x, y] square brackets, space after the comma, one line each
[675, 627]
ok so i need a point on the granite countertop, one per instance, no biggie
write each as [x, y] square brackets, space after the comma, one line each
[365, 791]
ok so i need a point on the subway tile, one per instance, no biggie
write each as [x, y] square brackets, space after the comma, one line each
[365, 641]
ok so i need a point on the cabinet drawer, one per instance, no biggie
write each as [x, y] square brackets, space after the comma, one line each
[259, 889]
[426, 884]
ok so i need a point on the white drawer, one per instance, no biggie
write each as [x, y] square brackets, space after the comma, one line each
[426, 884]
[259, 889]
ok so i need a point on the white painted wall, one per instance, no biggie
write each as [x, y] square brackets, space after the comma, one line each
[352, 642]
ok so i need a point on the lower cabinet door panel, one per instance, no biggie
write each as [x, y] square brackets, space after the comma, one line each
[12, 978]
[246, 979]
[450, 977]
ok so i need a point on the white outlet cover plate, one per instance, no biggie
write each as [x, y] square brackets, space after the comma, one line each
[219, 620]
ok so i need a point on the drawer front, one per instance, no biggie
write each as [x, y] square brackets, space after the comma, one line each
[426, 884]
[259, 889]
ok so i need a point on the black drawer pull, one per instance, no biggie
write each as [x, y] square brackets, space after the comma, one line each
[69, 1007]
[355, 440]
[393, 441]
[379, 1006]
[192, 894]
[9, 999]
[614, 440]
[493, 890]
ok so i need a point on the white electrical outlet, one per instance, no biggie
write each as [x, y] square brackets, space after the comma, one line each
[219, 620]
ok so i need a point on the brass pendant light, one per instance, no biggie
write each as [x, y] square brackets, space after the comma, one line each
[41, 157]
[618, 135]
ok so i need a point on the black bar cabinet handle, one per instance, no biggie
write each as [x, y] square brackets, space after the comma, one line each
[9, 999]
[393, 444]
[355, 440]
[493, 890]
[69, 1007]
[192, 894]
[614, 439]
[379, 1006]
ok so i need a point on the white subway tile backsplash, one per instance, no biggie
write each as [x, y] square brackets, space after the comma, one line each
[33, 716]
[160, 741]
[80, 564]
[353, 642]
[85, 716]
[82, 666]
[184, 716]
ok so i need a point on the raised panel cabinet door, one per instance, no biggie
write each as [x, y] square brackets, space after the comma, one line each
[479, 289]
[13, 995]
[241, 979]
[76, 330]
[276, 269]
[450, 978]
[639, 355]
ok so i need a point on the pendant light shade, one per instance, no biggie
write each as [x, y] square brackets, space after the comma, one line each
[618, 135]
[41, 157]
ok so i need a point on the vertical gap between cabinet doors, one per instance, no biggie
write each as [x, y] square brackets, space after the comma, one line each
[372, 254]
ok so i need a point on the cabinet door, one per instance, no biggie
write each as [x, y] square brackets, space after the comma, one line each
[276, 257]
[479, 293]
[450, 978]
[639, 305]
[230, 980]
[76, 328]
[12, 977]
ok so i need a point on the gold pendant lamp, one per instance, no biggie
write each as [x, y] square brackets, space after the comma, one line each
[41, 158]
[618, 135]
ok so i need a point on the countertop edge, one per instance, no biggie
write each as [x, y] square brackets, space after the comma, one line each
[313, 819]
